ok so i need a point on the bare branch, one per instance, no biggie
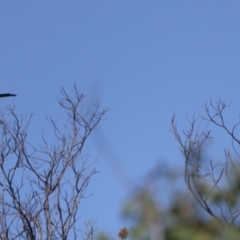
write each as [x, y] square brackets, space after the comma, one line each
[191, 144]
[41, 187]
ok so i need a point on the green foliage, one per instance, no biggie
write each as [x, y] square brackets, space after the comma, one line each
[144, 210]
[210, 210]
[184, 219]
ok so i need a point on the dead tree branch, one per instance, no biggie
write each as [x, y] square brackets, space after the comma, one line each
[191, 144]
[41, 187]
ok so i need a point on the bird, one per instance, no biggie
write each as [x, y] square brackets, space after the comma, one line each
[7, 95]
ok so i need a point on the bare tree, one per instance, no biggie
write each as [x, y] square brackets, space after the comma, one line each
[205, 178]
[41, 187]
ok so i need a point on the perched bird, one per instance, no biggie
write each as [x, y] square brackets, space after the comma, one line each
[7, 95]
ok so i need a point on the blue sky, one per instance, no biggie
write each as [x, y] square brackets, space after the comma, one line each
[145, 60]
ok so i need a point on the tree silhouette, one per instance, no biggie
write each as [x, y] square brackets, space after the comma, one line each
[41, 187]
[220, 202]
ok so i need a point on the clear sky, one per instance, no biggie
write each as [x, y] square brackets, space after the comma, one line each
[145, 60]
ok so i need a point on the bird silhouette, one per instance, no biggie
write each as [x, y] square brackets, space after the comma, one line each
[7, 95]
